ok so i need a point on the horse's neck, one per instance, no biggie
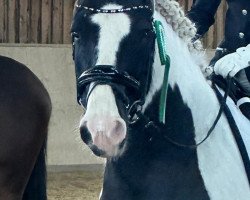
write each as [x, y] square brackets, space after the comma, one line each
[186, 74]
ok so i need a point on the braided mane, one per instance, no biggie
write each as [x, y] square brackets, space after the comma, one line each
[185, 29]
[175, 16]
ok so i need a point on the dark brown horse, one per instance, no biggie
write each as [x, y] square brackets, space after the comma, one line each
[25, 109]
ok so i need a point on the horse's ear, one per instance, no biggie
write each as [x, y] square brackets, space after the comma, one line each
[75, 5]
[76, 2]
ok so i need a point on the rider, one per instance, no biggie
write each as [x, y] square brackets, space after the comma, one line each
[232, 56]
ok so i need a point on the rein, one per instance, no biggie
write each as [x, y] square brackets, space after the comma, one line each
[165, 60]
[148, 123]
[221, 110]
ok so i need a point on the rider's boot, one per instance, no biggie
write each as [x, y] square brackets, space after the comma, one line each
[244, 105]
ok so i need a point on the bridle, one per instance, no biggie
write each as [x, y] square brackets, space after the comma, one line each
[109, 75]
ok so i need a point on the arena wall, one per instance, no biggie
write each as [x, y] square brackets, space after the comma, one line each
[54, 66]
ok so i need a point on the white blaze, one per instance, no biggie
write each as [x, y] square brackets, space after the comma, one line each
[103, 120]
[113, 28]
[102, 117]
[101, 103]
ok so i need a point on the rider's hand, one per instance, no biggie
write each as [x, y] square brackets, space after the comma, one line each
[232, 63]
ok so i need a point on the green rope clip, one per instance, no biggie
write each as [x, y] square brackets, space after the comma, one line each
[165, 60]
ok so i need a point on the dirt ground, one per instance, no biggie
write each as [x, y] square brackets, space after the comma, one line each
[74, 185]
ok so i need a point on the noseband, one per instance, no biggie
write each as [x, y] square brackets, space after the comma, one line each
[109, 75]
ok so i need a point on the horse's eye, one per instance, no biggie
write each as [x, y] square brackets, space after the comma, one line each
[75, 35]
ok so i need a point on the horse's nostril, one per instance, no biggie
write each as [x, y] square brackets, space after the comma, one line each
[83, 126]
[85, 135]
[105, 132]
[119, 126]
[118, 131]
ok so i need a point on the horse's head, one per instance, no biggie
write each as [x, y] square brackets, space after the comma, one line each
[113, 44]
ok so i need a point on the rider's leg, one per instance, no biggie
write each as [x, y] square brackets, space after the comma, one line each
[244, 105]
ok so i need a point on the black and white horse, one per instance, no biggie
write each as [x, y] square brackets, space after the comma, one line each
[25, 109]
[118, 70]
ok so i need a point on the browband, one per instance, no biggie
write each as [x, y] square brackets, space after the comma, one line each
[120, 10]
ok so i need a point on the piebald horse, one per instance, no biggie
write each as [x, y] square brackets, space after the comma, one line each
[25, 109]
[119, 83]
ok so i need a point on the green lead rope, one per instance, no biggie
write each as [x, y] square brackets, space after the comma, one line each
[165, 60]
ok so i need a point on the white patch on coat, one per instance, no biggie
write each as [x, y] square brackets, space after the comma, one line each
[113, 28]
[101, 102]
[219, 159]
[103, 121]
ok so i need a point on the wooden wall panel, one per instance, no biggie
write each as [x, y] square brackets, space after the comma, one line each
[220, 21]
[35, 21]
[24, 22]
[216, 32]
[183, 3]
[2, 21]
[48, 21]
[12, 20]
[57, 21]
[67, 17]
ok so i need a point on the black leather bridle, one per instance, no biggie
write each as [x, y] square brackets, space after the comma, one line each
[110, 75]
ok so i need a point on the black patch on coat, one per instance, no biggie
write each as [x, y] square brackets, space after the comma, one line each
[151, 167]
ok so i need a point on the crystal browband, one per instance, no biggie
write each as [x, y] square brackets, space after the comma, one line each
[120, 10]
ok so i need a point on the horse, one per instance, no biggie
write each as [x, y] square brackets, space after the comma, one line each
[25, 109]
[120, 82]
